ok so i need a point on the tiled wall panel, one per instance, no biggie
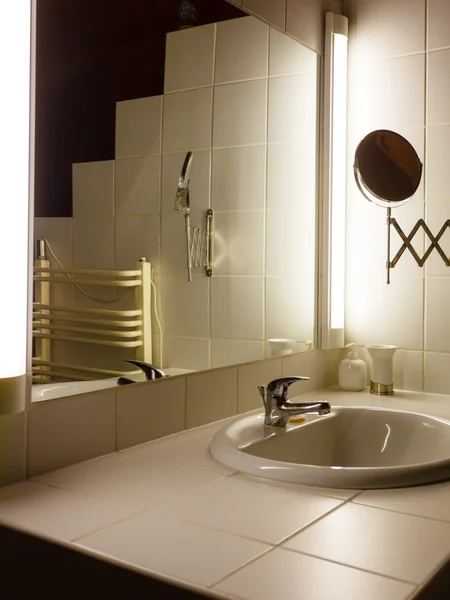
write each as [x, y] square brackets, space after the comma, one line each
[399, 79]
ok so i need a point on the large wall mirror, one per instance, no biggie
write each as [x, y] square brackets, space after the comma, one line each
[125, 90]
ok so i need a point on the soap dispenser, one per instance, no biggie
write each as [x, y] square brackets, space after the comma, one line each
[352, 375]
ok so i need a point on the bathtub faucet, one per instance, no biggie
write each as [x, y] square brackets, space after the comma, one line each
[151, 372]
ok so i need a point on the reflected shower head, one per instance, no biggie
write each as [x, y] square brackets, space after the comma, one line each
[182, 202]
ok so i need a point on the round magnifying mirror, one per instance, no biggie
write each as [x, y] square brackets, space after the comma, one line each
[387, 169]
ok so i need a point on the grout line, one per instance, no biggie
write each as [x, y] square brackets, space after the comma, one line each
[401, 512]
[243, 566]
[328, 513]
[433, 50]
[343, 564]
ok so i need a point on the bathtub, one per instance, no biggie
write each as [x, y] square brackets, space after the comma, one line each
[49, 391]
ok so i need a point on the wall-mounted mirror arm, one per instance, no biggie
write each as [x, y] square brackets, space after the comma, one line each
[388, 172]
[407, 245]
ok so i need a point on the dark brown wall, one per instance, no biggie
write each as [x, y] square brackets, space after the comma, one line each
[90, 55]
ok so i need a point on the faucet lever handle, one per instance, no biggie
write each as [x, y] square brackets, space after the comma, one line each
[262, 391]
[278, 388]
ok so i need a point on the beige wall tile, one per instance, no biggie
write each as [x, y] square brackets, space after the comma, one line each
[385, 28]
[252, 375]
[438, 87]
[240, 114]
[189, 58]
[93, 189]
[137, 236]
[138, 186]
[70, 430]
[304, 21]
[232, 352]
[186, 353]
[149, 411]
[237, 308]
[295, 256]
[93, 243]
[288, 57]
[292, 108]
[320, 366]
[386, 314]
[437, 367]
[437, 199]
[437, 335]
[210, 397]
[241, 50]
[233, 254]
[187, 120]
[239, 178]
[400, 107]
[289, 308]
[438, 24]
[12, 448]
[272, 11]
[185, 306]
[138, 127]
[408, 370]
[292, 165]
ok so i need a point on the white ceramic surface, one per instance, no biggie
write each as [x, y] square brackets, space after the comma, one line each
[49, 391]
[353, 447]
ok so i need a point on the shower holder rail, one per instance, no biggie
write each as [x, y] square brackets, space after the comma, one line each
[200, 254]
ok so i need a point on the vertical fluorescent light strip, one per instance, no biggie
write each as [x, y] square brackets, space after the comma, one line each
[338, 180]
[15, 73]
[334, 180]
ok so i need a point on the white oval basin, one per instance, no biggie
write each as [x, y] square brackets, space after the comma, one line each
[352, 447]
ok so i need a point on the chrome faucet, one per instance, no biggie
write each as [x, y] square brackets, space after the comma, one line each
[151, 372]
[277, 406]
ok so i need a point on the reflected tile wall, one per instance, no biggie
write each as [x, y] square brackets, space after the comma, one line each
[244, 115]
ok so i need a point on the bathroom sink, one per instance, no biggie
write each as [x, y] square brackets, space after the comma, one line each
[352, 447]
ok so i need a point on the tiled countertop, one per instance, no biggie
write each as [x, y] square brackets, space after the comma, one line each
[169, 509]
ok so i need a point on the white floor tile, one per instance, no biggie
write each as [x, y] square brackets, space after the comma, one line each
[188, 552]
[130, 480]
[290, 576]
[253, 509]
[57, 513]
[399, 546]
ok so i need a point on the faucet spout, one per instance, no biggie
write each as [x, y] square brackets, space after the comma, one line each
[278, 409]
[300, 408]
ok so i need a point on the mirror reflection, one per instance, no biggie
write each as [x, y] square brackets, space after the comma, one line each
[387, 168]
[121, 103]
